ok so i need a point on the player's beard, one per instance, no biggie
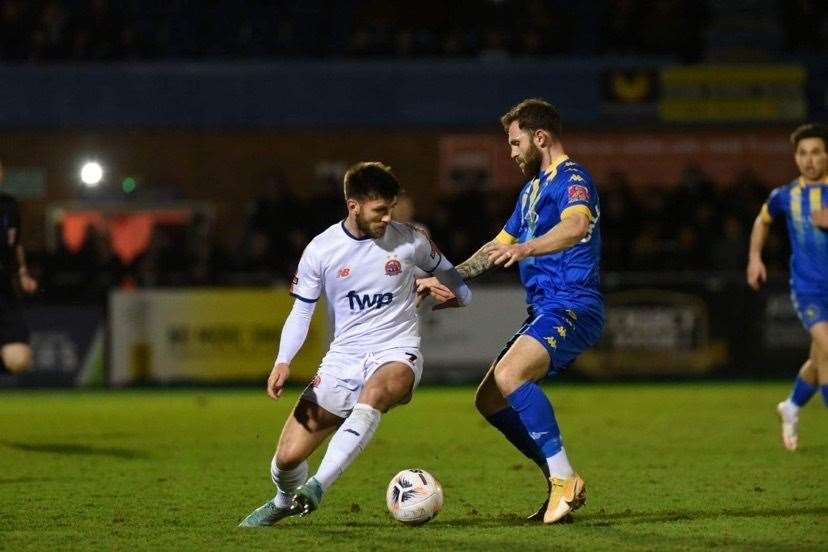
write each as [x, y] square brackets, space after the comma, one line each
[367, 227]
[814, 173]
[530, 164]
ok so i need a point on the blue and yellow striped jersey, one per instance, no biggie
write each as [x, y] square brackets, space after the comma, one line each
[570, 277]
[809, 243]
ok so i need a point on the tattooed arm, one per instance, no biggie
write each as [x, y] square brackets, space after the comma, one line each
[474, 266]
[477, 264]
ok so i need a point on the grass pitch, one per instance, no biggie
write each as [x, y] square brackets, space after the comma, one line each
[667, 467]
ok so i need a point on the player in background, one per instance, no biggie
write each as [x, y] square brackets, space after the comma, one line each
[365, 268]
[554, 237]
[15, 352]
[804, 205]
[404, 212]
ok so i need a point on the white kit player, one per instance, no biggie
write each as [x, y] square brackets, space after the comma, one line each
[365, 267]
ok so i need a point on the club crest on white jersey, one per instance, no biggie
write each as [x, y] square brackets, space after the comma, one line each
[368, 284]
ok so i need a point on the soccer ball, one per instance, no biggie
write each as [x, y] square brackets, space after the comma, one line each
[414, 497]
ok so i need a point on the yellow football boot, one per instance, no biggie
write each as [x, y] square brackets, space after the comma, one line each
[566, 496]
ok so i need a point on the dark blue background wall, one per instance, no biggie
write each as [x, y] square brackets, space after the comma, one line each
[290, 94]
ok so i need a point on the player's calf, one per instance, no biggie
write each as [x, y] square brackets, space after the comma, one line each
[488, 400]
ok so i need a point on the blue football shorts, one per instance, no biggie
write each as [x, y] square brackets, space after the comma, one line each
[564, 333]
[810, 309]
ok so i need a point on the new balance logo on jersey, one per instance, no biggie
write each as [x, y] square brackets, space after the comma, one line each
[366, 301]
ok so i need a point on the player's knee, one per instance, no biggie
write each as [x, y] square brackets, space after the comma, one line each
[503, 375]
[819, 358]
[508, 377]
[819, 340]
[383, 397]
[288, 458]
[384, 393]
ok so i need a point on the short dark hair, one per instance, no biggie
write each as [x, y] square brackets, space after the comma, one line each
[810, 130]
[534, 114]
[371, 180]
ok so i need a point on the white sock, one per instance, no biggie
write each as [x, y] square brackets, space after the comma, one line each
[287, 481]
[347, 443]
[559, 466]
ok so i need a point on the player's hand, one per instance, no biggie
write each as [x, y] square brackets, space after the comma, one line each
[820, 218]
[757, 274]
[432, 287]
[500, 253]
[277, 379]
[27, 283]
[452, 303]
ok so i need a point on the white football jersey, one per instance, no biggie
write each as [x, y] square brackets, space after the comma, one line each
[368, 284]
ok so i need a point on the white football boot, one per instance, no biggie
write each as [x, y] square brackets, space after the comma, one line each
[790, 420]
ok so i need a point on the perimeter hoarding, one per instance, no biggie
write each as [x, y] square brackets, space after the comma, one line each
[204, 335]
[657, 325]
[733, 93]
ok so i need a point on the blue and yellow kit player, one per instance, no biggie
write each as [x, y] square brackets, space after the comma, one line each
[565, 306]
[803, 203]
[554, 237]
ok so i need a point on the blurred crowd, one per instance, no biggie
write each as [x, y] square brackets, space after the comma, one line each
[685, 30]
[696, 225]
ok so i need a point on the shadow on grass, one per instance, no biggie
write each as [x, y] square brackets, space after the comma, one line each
[628, 517]
[76, 449]
[500, 520]
[610, 519]
[608, 530]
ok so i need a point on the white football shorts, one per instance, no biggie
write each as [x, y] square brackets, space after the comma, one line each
[337, 385]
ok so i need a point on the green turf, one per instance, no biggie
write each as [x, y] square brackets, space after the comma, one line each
[667, 467]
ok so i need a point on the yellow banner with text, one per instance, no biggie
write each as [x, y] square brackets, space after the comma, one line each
[205, 335]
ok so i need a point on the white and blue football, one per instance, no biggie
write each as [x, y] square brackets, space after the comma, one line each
[414, 496]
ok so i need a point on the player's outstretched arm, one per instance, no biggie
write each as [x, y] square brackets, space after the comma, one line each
[757, 274]
[570, 231]
[447, 287]
[294, 333]
[477, 264]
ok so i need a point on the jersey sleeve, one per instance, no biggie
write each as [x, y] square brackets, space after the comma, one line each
[578, 195]
[426, 253]
[774, 206]
[307, 284]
